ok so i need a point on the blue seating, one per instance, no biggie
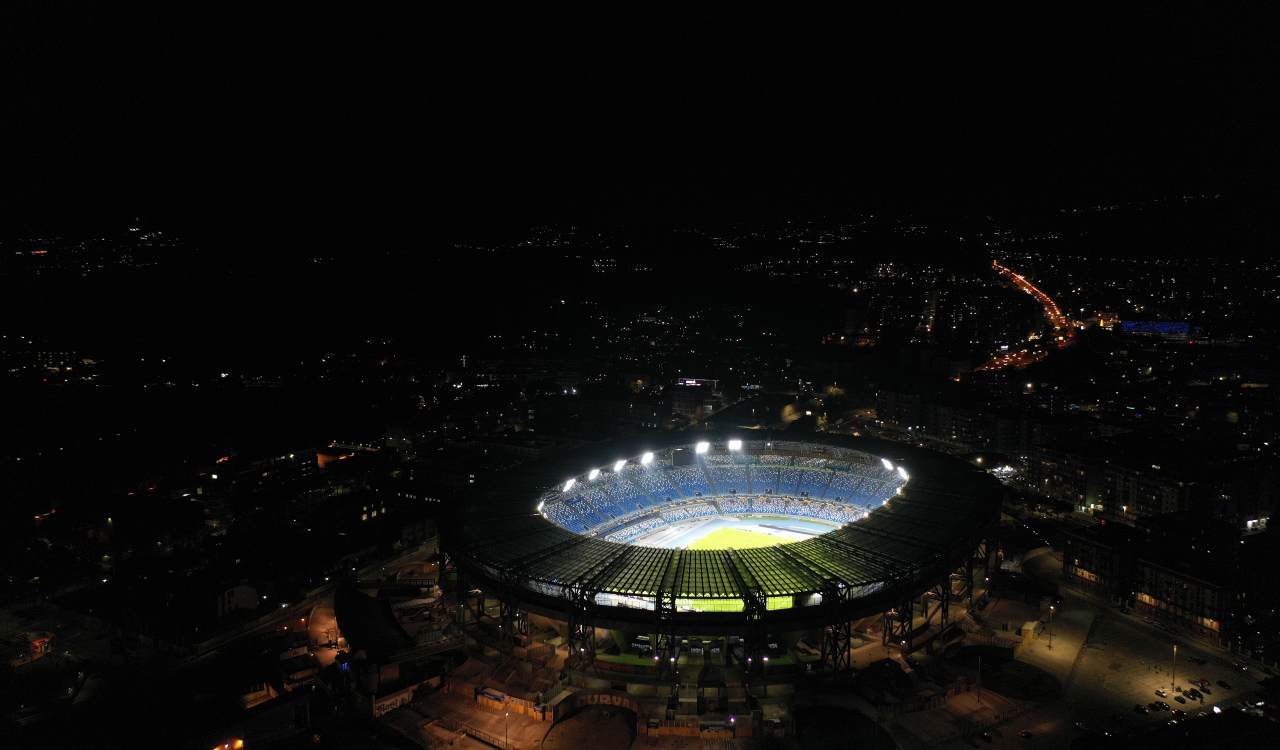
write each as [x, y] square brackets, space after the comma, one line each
[690, 481]
[728, 479]
[813, 483]
[634, 501]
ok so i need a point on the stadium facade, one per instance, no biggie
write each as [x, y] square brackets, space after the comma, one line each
[909, 527]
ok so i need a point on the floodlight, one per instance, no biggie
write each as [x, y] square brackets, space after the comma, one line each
[702, 447]
[617, 465]
[735, 445]
[591, 475]
[647, 458]
[544, 502]
[569, 484]
[887, 464]
[903, 473]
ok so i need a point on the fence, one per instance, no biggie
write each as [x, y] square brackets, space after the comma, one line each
[487, 738]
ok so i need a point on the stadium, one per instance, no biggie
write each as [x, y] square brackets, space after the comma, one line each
[730, 547]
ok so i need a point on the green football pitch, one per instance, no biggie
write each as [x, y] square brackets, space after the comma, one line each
[725, 538]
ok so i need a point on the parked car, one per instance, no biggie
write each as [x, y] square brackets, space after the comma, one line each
[1179, 699]
[1163, 706]
[1141, 709]
[1026, 734]
[1162, 693]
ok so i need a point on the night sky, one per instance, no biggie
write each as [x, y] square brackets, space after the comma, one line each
[269, 137]
[310, 125]
[382, 222]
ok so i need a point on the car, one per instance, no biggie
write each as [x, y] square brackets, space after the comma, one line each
[1193, 694]
[986, 737]
[1224, 684]
[1080, 725]
[1154, 705]
[1141, 709]
[1179, 713]
[1026, 734]
[1162, 693]
[1163, 706]
[1205, 689]
[1179, 699]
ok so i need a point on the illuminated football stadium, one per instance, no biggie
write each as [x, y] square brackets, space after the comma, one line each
[733, 541]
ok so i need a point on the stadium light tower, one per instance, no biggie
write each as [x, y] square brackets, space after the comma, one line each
[735, 445]
[617, 465]
[569, 484]
[887, 464]
[702, 447]
[591, 475]
[647, 458]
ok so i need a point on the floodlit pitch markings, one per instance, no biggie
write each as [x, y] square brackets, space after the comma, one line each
[733, 538]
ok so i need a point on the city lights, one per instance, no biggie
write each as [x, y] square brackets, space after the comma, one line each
[323, 459]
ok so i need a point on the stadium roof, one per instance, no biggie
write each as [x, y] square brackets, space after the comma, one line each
[927, 531]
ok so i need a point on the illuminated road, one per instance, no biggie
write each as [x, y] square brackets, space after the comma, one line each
[1032, 351]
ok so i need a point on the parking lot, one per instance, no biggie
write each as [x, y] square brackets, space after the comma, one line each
[1125, 662]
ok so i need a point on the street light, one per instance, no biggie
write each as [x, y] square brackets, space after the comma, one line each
[506, 734]
[1052, 609]
[1174, 668]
